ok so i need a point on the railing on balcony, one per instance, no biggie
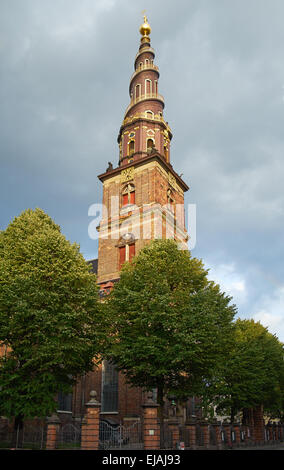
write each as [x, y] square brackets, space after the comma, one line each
[148, 49]
[139, 69]
[146, 96]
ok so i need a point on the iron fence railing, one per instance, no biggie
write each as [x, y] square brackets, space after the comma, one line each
[118, 436]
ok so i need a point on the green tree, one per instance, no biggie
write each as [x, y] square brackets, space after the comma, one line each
[253, 372]
[171, 325]
[50, 317]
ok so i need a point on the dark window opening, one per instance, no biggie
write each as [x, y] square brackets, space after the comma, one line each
[64, 402]
[109, 388]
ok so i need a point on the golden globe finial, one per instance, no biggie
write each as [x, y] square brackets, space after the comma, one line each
[145, 28]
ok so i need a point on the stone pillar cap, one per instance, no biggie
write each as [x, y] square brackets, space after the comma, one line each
[53, 419]
[150, 402]
[93, 399]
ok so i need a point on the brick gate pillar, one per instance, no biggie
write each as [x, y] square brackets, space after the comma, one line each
[151, 427]
[53, 424]
[227, 430]
[190, 426]
[91, 424]
[258, 422]
[205, 431]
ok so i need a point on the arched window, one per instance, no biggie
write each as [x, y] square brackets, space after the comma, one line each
[64, 401]
[109, 397]
[148, 86]
[150, 114]
[138, 90]
[128, 194]
[131, 147]
[150, 145]
[126, 253]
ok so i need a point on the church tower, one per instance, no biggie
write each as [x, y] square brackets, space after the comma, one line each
[143, 197]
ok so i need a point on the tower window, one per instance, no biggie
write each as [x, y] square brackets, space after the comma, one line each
[128, 195]
[150, 145]
[122, 253]
[126, 253]
[150, 114]
[131, 251]
[148, 86]
[138, 91]
[131, 147]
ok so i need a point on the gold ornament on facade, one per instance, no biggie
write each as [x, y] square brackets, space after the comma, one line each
[172, 181]
[127, 174]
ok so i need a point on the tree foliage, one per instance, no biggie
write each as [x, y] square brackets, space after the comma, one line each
[50, 318]
[253, 372]
[171, 325]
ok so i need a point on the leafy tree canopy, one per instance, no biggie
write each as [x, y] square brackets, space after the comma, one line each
[171, 325]
[253, 372]
[51, 323]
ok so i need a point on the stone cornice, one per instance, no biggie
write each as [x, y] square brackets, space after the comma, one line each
[155, 156]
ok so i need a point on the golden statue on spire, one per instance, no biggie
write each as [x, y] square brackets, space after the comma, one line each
[145, 28]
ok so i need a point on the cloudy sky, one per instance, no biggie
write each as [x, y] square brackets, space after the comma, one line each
[65, 67]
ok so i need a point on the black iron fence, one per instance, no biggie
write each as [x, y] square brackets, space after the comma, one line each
[119, 436]
[166, 436]
[69, 437]
[26, 437]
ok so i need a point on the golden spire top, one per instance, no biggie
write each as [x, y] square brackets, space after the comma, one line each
[145, 28]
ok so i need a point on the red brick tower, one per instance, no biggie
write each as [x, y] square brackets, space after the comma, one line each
[143, 197]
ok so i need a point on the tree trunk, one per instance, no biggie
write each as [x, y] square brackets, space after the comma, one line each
[160, 401]
[233, 413]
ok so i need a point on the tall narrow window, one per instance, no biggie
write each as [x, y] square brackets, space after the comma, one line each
[122, 256]
[126, 253]
[131, 147]
[64, 402]
[138, 91]
[150, 145]
[131, 251]
[148, 86]
[128, 195]
[109, 397]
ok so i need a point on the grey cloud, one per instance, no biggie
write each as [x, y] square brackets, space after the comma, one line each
[65, 68]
